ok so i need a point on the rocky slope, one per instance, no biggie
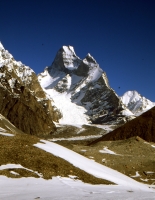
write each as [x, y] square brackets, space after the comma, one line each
[136, 103]
[22, 100]
[142, 126]
[84, 84]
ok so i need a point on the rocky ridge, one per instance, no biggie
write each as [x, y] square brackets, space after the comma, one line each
[143, 126]
[87, 86]
[22, 100]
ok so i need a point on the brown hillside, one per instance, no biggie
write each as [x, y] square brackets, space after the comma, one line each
[142, 126]
[24, 103]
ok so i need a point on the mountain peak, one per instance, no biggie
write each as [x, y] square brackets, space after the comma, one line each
[86, 85]
[130, 96]
[136, 103]
[90, 59]
[68, 50]
[131, 92]
[66, 59]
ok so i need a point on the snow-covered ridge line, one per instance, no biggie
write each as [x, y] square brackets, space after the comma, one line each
[22, 71]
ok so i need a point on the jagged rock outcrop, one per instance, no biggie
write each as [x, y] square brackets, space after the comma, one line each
[86, 85]
[136, 103]
[22, 100]
[142, 126]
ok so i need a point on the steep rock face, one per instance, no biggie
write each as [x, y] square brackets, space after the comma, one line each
[22, 100]
[142, 126]
[7, 127]
[136, 103]
[86, 85]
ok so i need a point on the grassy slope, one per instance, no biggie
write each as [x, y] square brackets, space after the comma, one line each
[19, 149]
[135, 155]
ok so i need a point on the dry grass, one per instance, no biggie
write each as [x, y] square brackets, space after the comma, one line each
[19, 149]
[135, 155]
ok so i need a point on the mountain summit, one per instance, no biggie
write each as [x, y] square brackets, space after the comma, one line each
[136, 103]
[83, 83]
[66, 59]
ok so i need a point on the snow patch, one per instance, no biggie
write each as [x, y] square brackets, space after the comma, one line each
[127, 112]
[75, 138]
[18, 166]
[3, 131]
[14, 173]
[137, 175]
[6, 134]
[106, 150]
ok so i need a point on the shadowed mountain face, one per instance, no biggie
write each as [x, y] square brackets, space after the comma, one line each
[142, 126]
[22, 100]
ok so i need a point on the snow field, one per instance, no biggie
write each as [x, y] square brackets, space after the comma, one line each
[72, 114]
[65, 188]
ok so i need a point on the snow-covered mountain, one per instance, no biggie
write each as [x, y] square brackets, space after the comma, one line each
[80, 89]
[22, 100]
[136, 103]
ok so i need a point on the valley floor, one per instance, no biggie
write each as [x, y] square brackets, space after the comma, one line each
[33, 168]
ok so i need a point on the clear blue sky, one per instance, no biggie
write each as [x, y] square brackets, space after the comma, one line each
[119, 34]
